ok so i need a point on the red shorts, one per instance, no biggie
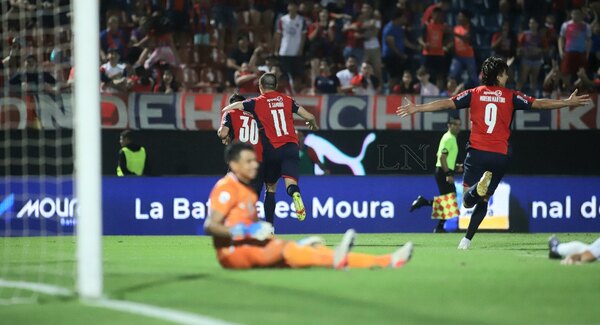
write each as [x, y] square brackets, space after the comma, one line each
[572, 62]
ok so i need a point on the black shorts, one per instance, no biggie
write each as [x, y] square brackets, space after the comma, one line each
[477, 162]
[394, 65]
[293, 65]
[281, 162]
[443, 186]
[259, 180]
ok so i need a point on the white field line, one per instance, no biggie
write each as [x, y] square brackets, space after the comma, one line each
[171, 315]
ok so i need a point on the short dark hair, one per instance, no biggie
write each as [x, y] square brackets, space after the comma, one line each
[466, 12]
[128, 134]
[236, 98]
[491, 68]
[234, 150]
[453, 118]
[397, 13]
[268, 81]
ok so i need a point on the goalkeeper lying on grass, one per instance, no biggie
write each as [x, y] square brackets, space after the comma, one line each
[243, 242]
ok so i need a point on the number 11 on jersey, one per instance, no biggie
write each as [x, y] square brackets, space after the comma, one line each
[279, 121]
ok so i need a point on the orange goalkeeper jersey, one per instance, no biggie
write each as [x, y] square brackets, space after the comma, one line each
[236, 201]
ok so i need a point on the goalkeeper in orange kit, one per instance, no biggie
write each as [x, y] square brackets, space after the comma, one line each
[243, 242]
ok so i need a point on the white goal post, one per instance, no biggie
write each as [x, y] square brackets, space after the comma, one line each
[88, 181]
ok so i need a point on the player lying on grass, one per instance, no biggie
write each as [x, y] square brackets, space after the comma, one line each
[574, 252]
[491, 109]
[243, 242]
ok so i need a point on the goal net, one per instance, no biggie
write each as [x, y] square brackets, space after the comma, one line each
[38, 204]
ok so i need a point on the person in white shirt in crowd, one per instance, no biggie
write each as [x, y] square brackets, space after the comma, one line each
[371, 25]
[426, 87]
[290, 36]
[113, 74]
[345, 76]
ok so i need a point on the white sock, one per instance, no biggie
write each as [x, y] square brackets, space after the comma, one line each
[574, 247]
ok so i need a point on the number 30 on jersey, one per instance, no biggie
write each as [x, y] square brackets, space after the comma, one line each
[248, 131]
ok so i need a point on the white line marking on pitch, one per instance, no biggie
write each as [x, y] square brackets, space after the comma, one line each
[171, 315]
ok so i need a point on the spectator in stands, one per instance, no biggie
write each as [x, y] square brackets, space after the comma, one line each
[354, 36]
[224, 20]
[261, 20]
[140, 81]
[141, 8]
[394, 43]
[327, 82]
[158, 44]
[407, 86]
[242, 53]
[190, 81]
[436, 41]
[371, 24]
[585, 84]
[452, 88]
[321, 35]
[504, 42]
[551, 35]
[553, 83]
[167, 84]
[428, 15]
[345, 76]
[532, 46]
[574, 45]
[113, 73]
[270, 61]
[32, 78]
[365, 83]
[284, 84]
[290, 36]
[464, 55]
[200, 23]
[246, 80]
[178, 13]
[113, 37]
[426, 88]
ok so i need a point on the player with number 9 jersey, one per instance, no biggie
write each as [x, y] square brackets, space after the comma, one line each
[492, 111]
[492, 107]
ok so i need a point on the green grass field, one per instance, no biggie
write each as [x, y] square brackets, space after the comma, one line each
[503, 279]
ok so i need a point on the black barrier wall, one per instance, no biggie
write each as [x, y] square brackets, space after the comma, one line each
[386, 152]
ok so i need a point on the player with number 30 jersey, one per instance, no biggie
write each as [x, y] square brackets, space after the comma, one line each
[274, 114]
[492, 108]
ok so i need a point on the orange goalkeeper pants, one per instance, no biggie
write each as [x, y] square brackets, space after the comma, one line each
[251, 256]
[278, 253]
[297, 256]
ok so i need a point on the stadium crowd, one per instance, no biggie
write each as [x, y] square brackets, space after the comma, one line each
[314, 47]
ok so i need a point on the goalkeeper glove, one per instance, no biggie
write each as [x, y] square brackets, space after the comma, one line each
[259, 230]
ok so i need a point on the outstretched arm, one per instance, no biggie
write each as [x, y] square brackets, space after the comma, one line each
[572, 101]
[410, 108]
[230, 107]
[308, 117]
[584, 257]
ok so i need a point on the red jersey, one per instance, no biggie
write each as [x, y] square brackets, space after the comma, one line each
[492, 109]
[275, 114]
[461, 48]
[244, 128]
[433, 35]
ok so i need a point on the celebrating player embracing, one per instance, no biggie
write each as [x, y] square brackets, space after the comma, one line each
[274, 113]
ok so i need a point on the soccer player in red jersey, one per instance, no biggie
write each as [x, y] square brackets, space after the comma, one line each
[491, 111]
[274, 114]
[241, 126]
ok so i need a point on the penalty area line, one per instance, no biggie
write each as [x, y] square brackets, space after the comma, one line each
[152, 311]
